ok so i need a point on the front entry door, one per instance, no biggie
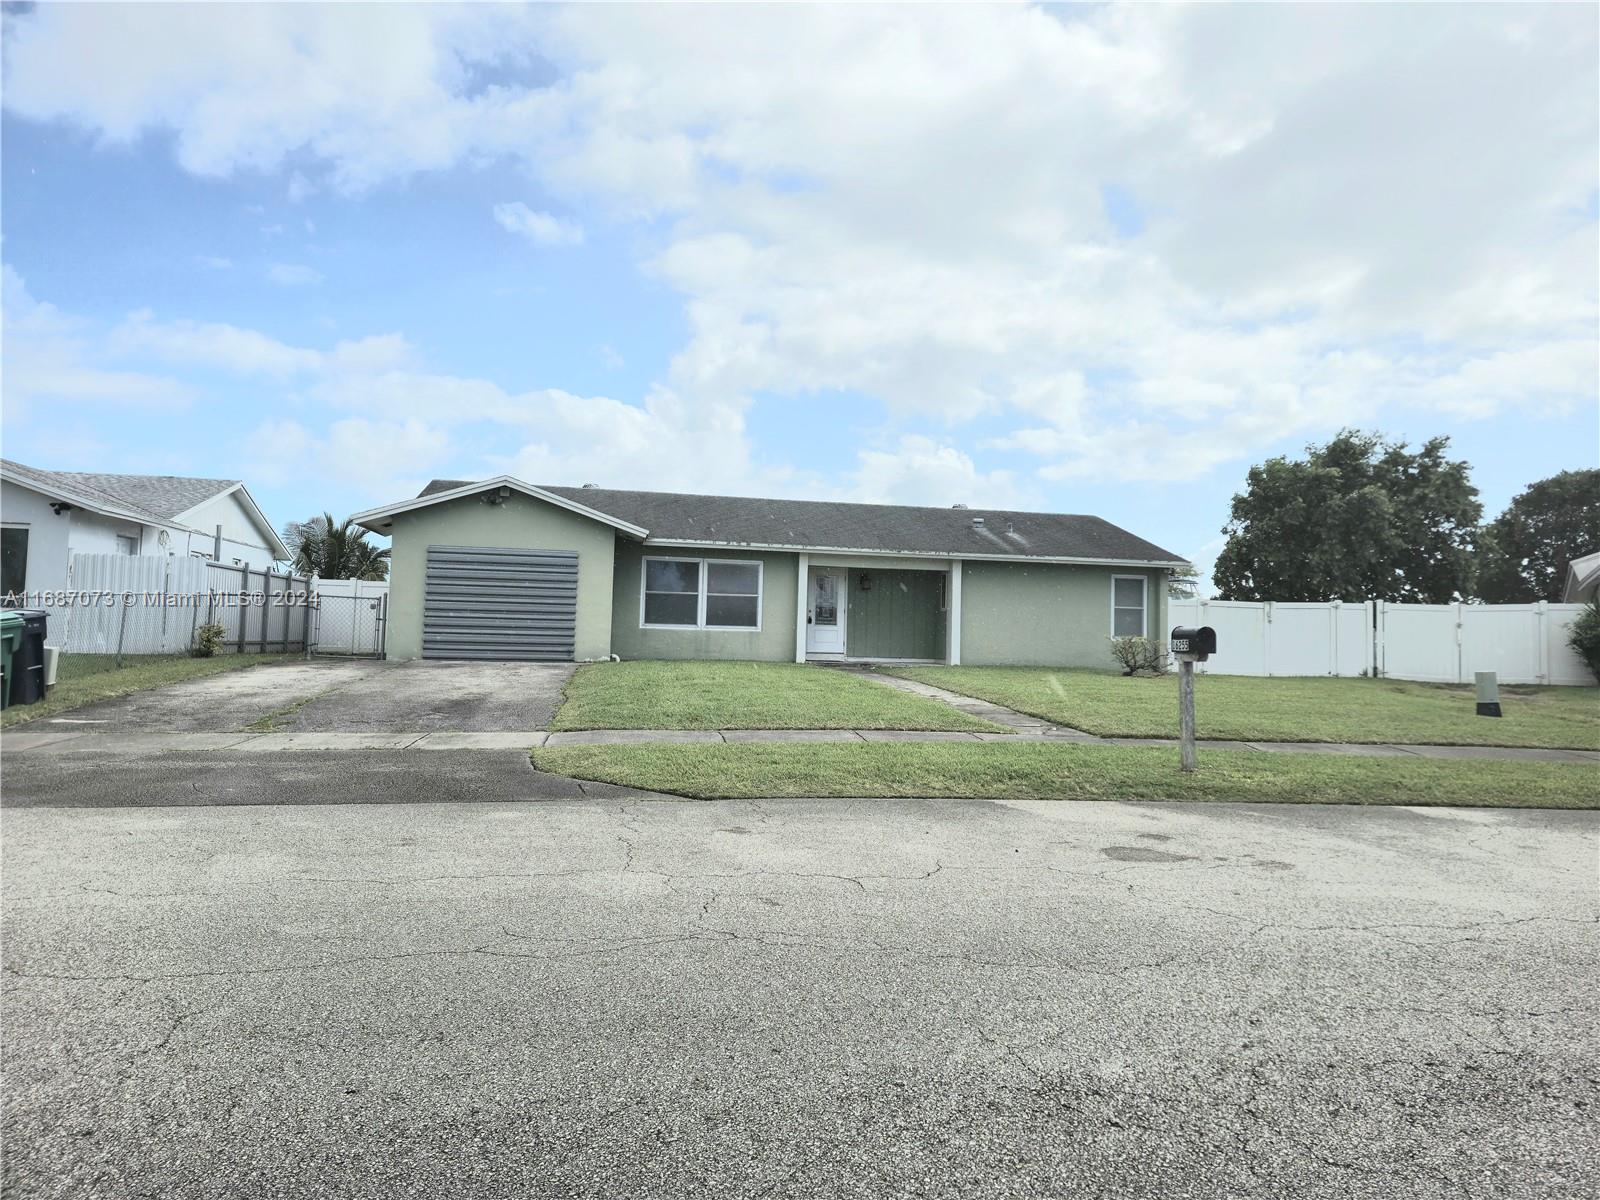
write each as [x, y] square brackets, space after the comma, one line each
[825, 611]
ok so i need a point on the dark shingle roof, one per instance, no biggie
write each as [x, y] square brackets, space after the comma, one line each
[835, 525]
[161, 496]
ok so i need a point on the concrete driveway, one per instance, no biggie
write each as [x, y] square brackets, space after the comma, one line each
[355, 696]
[802, 998]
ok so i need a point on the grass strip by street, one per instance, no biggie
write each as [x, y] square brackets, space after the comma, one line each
[86, 678]
[745, 695]
[1247, 708]
[1048, 771]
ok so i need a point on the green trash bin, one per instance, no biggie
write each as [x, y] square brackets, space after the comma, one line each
[11, 627]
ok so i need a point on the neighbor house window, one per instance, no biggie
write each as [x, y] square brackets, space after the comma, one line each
[13, 561]
[127, 545]
[1128, 605]
[701, 593]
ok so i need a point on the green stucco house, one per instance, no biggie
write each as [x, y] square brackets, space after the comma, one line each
[502, 569]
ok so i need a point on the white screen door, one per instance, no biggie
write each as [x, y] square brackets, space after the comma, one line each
[825, 612]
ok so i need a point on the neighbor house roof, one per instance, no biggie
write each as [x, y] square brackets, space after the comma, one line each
[149, 499]
[1583, 579]
[672, 518]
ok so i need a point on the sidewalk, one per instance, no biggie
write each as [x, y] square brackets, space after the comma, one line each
[68, 740]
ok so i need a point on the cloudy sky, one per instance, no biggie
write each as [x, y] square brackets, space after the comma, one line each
[1085, 259]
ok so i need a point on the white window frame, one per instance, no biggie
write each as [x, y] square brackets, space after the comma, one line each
[133, 540]
[705, 565]
[1144, 606]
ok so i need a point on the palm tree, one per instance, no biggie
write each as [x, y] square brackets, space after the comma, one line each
[334, 551]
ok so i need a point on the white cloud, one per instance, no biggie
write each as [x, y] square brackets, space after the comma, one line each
[374, 92]
[921, 470]
[51, 358]
[540, 228]
[369, 456]
[1339, 217]
[293, 275]
[193, 343]
[213, 263]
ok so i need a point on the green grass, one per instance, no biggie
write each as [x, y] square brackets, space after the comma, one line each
[1287, 710]
[84, 678]
[1045, 771]
[744, 695]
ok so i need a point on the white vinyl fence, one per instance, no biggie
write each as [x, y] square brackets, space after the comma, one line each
[1448, 643]
[143, 604]
[350, 616]
[1433, 643]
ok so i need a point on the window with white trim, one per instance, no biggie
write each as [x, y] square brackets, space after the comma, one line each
[700, 593]
[733, 595]
[1128, 596]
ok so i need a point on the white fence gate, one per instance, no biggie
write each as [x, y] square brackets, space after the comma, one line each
[1432, 643]
[351, 616]
[1448, 643]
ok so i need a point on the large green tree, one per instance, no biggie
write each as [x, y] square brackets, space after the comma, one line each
[333, 551]
[1361, 518]
[1524, 551]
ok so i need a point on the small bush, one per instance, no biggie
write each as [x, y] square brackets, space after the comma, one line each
[206, 640]
[1584, 636]
[1137, 654]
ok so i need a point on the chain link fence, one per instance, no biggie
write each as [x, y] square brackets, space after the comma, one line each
[350, 617]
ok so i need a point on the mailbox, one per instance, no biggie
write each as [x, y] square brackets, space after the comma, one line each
[1195, 645]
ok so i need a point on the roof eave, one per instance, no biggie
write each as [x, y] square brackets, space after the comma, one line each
[79, 500]
[785, 548]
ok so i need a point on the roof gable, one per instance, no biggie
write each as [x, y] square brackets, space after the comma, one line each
[381, 520]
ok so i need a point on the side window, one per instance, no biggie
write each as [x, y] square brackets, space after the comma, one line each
[127, 545]
[1128, 605]
[13, 561]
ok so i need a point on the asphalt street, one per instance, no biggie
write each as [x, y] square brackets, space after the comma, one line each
[646, 998]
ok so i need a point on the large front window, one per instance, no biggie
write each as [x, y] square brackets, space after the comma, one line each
[701, 593]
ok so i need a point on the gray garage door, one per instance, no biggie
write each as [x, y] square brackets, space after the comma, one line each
[494, 603]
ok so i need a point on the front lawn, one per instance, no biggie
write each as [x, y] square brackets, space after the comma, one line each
[1051, 771]
[84, 678]
[744, 695]
[1244, 708]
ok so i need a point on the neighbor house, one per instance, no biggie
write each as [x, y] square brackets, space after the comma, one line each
[1583, 580]
[46, 517]
[502, 569]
